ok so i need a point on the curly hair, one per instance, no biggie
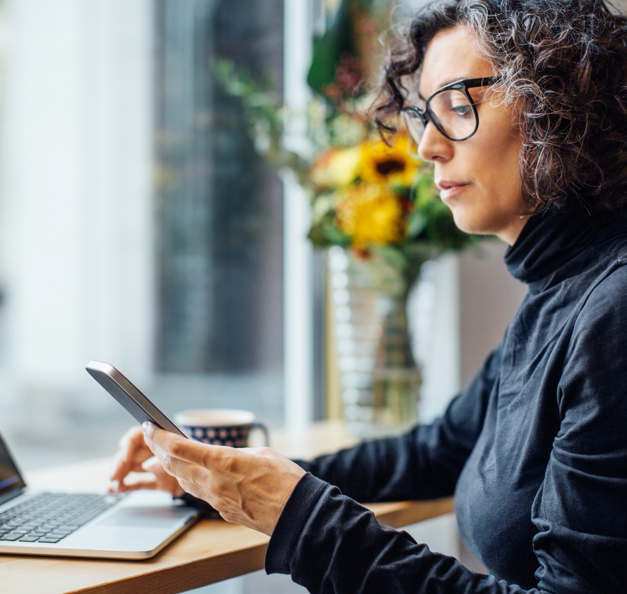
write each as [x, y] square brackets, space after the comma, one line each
[563, 68]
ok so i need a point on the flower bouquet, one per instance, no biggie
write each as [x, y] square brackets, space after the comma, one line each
[380, 202]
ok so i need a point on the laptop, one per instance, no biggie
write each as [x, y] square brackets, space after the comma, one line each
[85, 523]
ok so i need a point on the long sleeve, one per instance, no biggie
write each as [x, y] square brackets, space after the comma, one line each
[421, 464]
[331, 544]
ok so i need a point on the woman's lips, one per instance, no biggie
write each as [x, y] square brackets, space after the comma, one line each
[448, 189]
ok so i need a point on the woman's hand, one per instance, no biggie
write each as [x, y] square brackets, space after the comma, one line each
[135, 456]
[248, 486]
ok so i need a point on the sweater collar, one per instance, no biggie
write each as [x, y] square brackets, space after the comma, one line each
[548, 240]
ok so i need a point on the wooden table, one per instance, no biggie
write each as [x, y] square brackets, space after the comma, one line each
[209, 552]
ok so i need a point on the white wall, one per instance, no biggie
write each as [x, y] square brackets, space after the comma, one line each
[460, 312]
[489, 298]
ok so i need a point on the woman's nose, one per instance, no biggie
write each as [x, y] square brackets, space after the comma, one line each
[434, 145]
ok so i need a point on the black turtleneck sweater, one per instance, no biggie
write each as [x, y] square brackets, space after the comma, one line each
[534, 449]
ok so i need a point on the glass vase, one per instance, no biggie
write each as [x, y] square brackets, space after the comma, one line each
[379, 376]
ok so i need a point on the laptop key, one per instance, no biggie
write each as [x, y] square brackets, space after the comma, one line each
[29, 538]
[61, 532]
[48, 539]
[11, 536]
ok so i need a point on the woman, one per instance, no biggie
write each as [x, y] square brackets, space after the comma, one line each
[521, 105]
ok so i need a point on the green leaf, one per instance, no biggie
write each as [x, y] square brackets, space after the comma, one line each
[418, 221]
[424, 191]
[337, 40]
[335, 236]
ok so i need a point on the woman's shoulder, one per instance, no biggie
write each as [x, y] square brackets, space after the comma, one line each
[605, 303]
[610, 230]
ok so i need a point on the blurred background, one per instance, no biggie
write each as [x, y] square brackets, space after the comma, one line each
[139, 226]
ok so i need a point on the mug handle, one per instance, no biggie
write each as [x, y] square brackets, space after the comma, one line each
[261, 427]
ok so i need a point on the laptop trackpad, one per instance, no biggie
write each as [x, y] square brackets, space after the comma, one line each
[149, 517]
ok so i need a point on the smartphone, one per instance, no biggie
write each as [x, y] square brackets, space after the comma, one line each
[114, 382]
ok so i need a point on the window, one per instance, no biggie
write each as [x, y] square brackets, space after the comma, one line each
[139, 226]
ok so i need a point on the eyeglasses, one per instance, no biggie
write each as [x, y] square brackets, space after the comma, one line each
[450, 109]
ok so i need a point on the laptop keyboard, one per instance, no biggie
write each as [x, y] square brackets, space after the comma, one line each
[50, 517]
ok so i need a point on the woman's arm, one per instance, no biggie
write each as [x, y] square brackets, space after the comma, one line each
[327, 541]
[332, 545]
[421, 464]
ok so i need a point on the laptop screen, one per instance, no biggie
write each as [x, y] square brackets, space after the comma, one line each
[9, 475]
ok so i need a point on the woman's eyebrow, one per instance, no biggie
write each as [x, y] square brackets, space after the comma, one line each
[443, 84]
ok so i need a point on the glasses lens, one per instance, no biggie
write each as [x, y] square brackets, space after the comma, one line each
[414, 124]
[454, 114]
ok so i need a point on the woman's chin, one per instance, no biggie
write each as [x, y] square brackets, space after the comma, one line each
[467, 224]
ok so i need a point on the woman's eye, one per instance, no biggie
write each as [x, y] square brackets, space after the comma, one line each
[462, 110]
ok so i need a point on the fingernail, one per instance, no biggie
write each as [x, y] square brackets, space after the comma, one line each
[146, 427]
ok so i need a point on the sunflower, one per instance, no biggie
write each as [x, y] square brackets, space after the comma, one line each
[370, 213]
[336, 168]
[392, 165]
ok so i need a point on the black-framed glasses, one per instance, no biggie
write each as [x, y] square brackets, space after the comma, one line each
[451, 110]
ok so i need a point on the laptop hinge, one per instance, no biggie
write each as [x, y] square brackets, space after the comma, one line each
[11, 495]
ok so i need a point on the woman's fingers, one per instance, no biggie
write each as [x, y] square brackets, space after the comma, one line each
[162, 480]
[153, 476]
[181, 448]
[146, 483]
[135, 456]
[132, 452]
[190, 461]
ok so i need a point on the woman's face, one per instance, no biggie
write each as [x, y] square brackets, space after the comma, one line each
[478, 178]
